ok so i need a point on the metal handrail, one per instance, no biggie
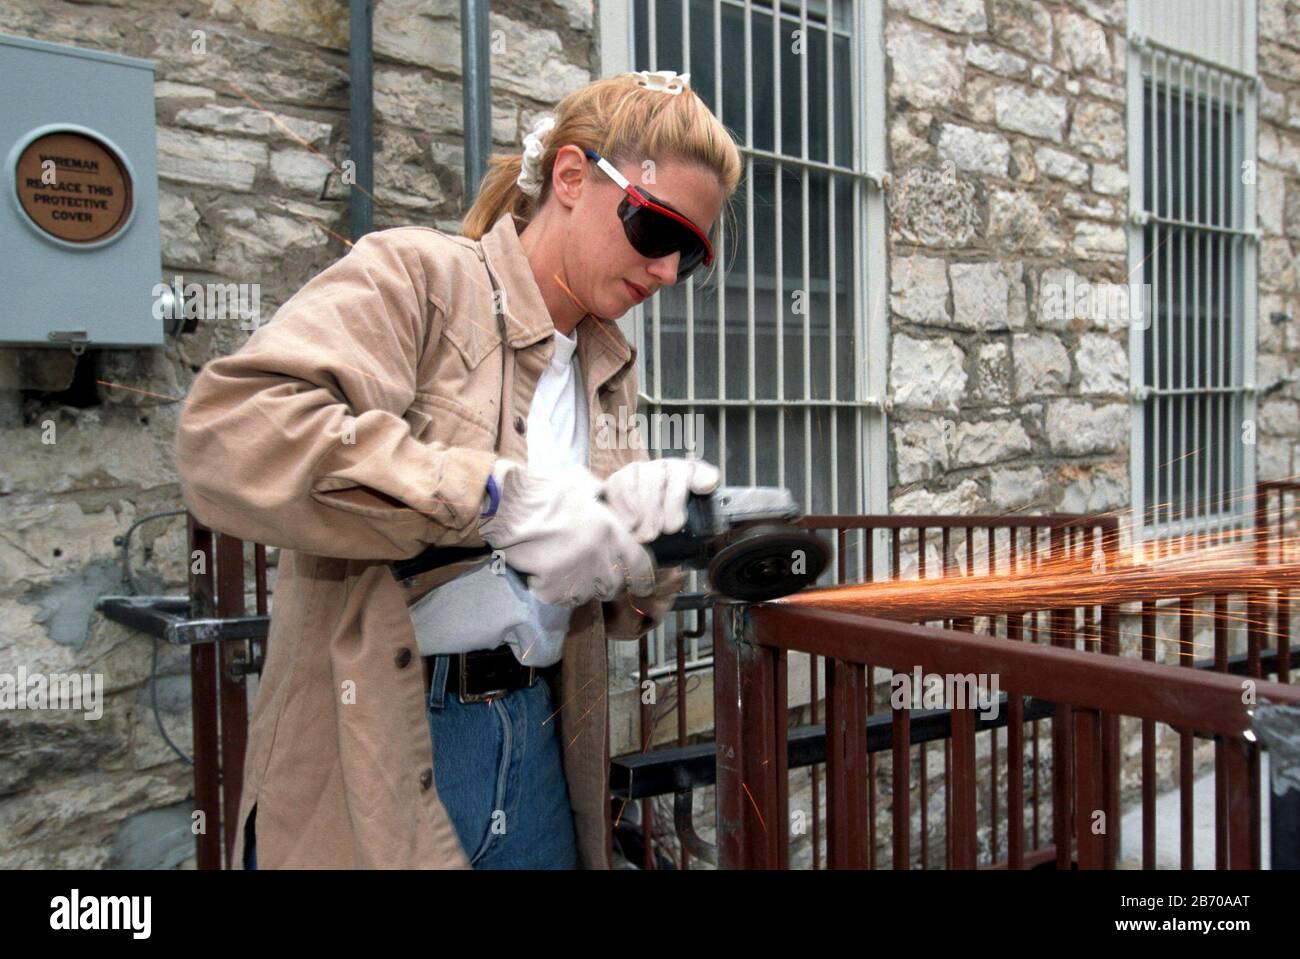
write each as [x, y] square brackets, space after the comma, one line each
[1090, 692]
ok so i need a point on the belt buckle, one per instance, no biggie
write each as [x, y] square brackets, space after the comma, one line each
[468, 697]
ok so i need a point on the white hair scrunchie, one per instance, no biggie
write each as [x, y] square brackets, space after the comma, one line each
[530, 170]
[666, 80]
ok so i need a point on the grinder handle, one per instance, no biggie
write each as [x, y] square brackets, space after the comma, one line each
[690, 545]
[436, 556]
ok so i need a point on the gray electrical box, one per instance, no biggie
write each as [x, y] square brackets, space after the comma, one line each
[80, 252]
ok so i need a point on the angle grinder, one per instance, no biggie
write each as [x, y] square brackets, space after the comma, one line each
[743, 536]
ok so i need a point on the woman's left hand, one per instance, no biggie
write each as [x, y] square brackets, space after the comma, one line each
[651, 495]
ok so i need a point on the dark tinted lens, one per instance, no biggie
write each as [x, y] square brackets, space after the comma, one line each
[654, 235]
[690, 262]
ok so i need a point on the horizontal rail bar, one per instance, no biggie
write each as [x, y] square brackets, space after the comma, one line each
[218, 629]
[942, 520]
[1143, 42]
[782, 159]
[664, 771]
[167, 617]
[1181, 697]
[149, 614]
[745, 403]
[1149, 217]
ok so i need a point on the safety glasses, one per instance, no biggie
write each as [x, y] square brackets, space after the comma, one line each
[654, 228]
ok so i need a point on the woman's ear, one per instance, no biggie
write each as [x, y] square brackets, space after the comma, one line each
[568, 175]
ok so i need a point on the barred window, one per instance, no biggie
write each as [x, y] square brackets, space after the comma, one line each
[1191, 179]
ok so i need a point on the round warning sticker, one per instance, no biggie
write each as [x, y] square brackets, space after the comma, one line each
[74, 186]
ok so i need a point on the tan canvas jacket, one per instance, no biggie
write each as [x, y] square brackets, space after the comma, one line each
[357, 427]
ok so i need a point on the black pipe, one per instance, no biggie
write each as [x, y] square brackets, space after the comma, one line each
[361, 115]
[476, 80]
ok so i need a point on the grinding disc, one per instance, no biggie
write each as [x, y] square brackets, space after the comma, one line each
[760, 563]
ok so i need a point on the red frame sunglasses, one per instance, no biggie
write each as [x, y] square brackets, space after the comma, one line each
[654, 228]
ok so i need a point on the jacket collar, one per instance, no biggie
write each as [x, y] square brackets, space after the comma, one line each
[527, 319]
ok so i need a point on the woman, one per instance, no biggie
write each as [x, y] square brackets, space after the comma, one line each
[436, 390]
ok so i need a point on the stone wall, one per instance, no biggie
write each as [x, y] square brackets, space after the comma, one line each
[252, 128]
[1278, 450]
[1007, 149]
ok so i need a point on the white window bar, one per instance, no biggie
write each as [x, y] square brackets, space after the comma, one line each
[752, 417]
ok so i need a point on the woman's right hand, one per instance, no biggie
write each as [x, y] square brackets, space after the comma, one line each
[555, 529]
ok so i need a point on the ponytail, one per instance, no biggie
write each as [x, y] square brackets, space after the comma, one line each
[498, 194]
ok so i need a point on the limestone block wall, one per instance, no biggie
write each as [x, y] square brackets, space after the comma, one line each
[1007, 147]
[1278, 450]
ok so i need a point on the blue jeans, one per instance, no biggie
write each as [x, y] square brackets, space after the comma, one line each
[500, 776]
[499, 773]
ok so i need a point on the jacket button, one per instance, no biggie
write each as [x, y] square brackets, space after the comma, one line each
[520, 425]
[426, 779]
[403, 659]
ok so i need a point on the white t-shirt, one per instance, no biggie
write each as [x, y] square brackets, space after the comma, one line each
[557, 418]
[482, 609]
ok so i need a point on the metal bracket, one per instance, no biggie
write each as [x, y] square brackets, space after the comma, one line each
[76, 340]
[1139, 217]
[189, 632]
[881, 179]
[737, 623]
[242, 666]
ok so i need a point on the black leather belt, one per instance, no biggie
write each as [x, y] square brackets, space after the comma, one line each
[483, 674]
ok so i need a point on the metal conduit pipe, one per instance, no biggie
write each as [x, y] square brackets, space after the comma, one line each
[476, 76]
[361, 118]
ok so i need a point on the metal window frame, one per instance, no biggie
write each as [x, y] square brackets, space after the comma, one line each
[1142, 56]
[868, 158]
[867, 293]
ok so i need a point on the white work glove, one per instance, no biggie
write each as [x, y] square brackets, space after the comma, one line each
[650, 495]
[552, 528]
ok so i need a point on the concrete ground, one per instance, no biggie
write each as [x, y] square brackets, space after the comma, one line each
[1167, 833]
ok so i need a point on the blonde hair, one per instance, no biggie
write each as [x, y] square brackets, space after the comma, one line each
[623, 122]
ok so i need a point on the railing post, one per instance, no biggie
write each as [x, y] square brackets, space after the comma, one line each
[1112, 756]
[753, 825]
[726, 725]
[1015, 762]
[1240, 808]
[963, 823]
[1256, 631]
[1062, 754]
[233, 694]
[1091, 789]
[203, 702]
[1220, 744]
[846, 766]
[901, 740]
